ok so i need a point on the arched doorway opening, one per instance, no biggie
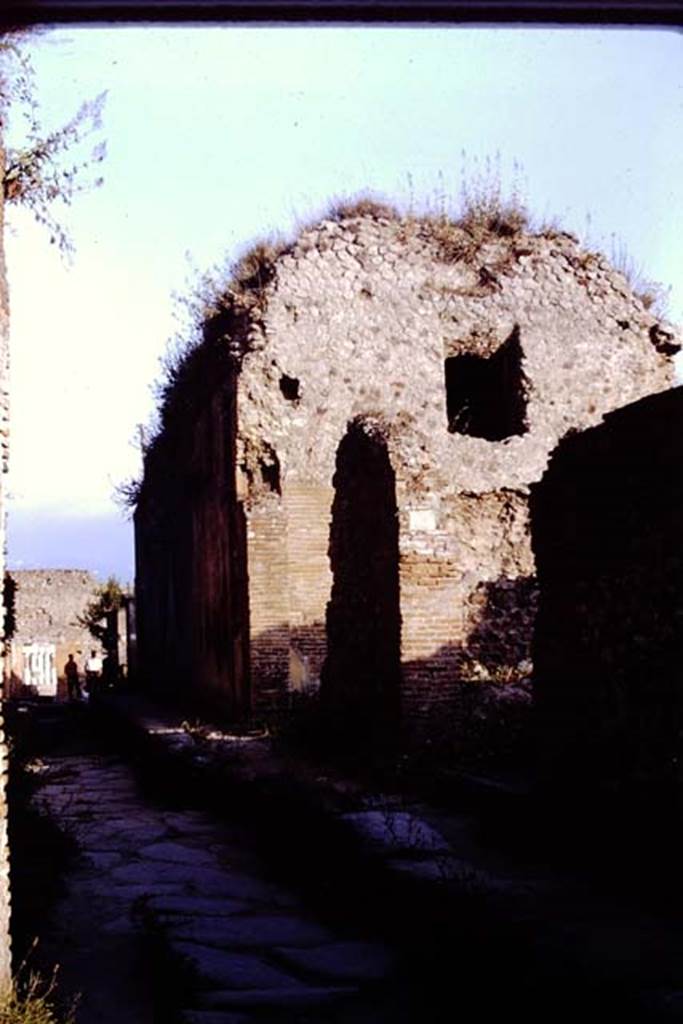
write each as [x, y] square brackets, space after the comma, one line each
[361, 676]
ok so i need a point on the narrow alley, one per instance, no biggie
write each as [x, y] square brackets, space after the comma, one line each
[166, 913]
[191, 896]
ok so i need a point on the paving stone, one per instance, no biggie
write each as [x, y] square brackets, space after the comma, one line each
[178, 853]
[122, 925]
[124, 833]
[248, 887]
[222, 851]
[465, 875]
[102, 860]
[131, 893]
[203, 881]
[429, 870]
[204, 906]
[191, 821]
[397, 830]
[340, 961]
[299, 998]
[214, 1017]
[251, 931]
[218, 969]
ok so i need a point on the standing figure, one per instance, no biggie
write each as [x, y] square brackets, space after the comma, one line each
[73, 684]
[93, 673]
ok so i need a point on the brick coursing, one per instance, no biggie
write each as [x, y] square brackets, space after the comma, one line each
[353, 324]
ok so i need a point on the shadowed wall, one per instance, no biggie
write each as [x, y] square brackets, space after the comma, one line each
[361, 676]
[608, 647]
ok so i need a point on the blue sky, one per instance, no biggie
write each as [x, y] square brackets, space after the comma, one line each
[218, 136]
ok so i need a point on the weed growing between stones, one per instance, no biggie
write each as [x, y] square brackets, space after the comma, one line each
[34, 1001]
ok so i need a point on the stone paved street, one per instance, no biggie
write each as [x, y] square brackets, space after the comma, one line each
[232, 944]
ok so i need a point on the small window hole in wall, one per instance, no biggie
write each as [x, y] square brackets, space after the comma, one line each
[486, 395]
[270, 475]
[290, 388]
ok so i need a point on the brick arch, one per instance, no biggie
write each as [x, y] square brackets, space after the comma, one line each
[361, 676]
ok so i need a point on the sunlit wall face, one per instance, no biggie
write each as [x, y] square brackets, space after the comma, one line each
[217, 136]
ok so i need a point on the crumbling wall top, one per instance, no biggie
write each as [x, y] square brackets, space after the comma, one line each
[361, 317]
[478, 349]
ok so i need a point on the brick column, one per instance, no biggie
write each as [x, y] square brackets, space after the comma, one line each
[268, 601]
[308, 509]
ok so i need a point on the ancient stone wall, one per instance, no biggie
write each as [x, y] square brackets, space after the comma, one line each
[608, 647]
[191, 606]
[47, 604]
[472, 355]
[5, 946]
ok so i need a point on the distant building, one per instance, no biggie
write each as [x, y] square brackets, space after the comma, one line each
[47, 606]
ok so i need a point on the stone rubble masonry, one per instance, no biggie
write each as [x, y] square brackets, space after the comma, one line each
[5, 902]
[609, 645]
[47, 604]
[355, 323]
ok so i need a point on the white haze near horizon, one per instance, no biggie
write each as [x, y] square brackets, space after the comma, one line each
[219, 135]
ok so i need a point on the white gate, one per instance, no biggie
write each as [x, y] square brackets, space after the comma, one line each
[40, 672]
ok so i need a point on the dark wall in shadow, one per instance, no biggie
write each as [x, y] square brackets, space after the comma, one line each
[482, 718]
[481, 712]
[501, 638]
[361, 675]
[191, 560]
[608, 645]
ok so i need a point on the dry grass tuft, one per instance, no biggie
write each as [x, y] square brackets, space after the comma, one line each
[654, 296]
[33, 1002]
[256, 267]
[486, 210]
[363, 206]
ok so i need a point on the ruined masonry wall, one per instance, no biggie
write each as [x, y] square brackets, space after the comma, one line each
[5, 901]
[355, 321]
[362, 315]
[191, 538]
[608, 644]
[47, 604]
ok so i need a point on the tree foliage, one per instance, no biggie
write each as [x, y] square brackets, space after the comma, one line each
[46, 167]
[109, 597]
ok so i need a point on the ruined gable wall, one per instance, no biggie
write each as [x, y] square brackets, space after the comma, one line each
[361, 316]
[608, 645]
[355, 321]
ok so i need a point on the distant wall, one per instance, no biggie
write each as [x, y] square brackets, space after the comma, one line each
[47, 604]
[608, 647]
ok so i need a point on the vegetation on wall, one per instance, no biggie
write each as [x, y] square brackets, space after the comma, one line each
[109, 597]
